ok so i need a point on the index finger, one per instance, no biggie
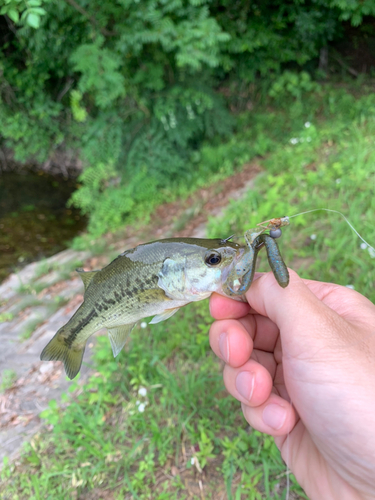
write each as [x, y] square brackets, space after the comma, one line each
[225, 308]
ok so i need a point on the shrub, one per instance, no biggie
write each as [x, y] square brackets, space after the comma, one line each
[136, 88]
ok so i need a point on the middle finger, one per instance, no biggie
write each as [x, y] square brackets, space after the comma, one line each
[263, 331]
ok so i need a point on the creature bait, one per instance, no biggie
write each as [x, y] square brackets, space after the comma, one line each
[156, 279]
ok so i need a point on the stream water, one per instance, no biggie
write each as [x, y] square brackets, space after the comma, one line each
[34, 219]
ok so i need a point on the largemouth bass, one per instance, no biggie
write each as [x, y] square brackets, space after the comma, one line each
[156, 279]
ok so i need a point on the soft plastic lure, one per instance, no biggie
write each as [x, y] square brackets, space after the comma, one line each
[242, 274]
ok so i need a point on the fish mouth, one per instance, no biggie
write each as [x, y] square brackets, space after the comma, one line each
[238, 283]
[228, 269]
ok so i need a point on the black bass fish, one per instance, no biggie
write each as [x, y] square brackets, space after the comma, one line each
[156, 279]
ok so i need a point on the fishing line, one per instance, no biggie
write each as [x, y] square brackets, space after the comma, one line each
[342, 215]
[288, 470]
[287, 467]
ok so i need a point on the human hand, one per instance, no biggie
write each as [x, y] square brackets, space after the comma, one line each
[312, 344]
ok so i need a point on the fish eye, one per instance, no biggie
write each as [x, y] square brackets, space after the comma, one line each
[212, 258]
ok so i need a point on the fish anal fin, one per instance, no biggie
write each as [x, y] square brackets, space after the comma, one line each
[118, 336]
[164, 315]
[57, 350]
[86, 276]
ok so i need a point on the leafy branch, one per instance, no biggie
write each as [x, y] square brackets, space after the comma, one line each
[92, 20]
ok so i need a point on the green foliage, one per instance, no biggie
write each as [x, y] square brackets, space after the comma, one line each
[27, 12]
[4, 317]
[326, 164]
[8, 377]
[100, 75]
[354, 10]
[137, 88]
[78, 111]
[294, 85]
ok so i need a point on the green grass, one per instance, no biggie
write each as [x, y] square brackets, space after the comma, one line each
[8, 377]
[327, 164]
[6, 316]
[30, 328]
[30, 288]
[101, 441]
[44, 267]
[99, 445]
[24, 302]
[34, 287]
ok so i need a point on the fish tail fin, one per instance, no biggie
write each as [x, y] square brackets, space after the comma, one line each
[57, 350]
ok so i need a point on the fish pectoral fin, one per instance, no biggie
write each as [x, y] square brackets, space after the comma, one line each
[164, 315]
[172, 279]
[86, 276]
[118, 336]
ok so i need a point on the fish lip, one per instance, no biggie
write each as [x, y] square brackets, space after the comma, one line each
[226, 270]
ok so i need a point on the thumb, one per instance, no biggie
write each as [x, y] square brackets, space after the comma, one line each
[306, 324]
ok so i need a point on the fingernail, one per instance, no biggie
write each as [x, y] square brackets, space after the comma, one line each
[274, 416]
[224, 347]
[245, 384]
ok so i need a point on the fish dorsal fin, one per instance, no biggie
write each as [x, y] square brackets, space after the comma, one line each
[164, 315]
[86, 276]
[118, 336]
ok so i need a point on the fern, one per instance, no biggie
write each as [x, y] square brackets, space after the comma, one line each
[99, 72]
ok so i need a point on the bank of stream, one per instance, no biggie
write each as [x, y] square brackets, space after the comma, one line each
[34, 219]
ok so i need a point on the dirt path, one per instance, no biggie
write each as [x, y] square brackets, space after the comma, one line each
[38, 300]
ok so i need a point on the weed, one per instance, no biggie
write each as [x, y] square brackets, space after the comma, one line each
[31, 289]
[8, 377]
[31, 327]
[6, 316]
[26, 301]
[43, 267]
